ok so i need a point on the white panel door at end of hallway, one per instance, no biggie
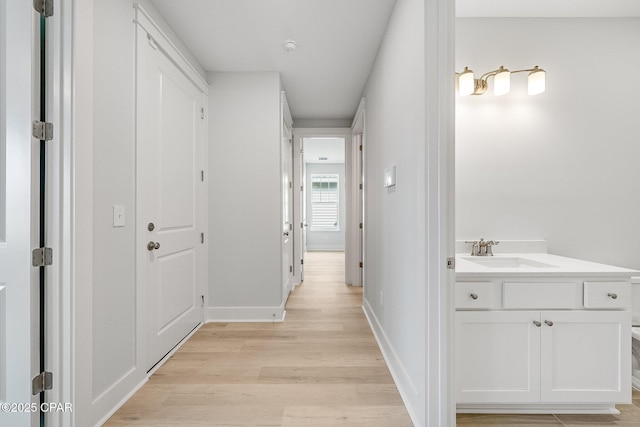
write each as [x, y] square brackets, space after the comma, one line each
[169, 148]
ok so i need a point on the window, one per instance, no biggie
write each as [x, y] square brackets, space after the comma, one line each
[325, 202]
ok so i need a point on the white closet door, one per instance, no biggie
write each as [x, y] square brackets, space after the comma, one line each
[169, 195]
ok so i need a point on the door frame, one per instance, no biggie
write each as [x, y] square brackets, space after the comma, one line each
[358, 162]
[298, 135]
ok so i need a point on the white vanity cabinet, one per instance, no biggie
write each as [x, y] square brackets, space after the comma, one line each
[542, 345]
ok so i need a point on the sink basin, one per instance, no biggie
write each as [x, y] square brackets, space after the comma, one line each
[507, 262]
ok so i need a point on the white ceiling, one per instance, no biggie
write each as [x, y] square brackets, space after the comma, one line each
[331, 148]
[548, 8]
[337, 39]
[337, 44]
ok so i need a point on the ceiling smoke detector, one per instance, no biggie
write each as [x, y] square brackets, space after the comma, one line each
[290, 45]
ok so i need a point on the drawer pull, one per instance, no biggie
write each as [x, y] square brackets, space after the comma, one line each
[548, 322]
[538, 324]
[474, 296]
[612, 295]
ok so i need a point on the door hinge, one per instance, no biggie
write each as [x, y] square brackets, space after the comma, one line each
[202, 176]
[361, 186]
[290, 227]
[42, 130]
[202, 113]
[42, 382]
[360, 225]
[201, 237]
[202, 299]
[291, 269]
[301, 188]
[41, 257]
[451, 263]
[290, 185]
[360, 264]
[302, 262]
[43, 7]
[360, 147]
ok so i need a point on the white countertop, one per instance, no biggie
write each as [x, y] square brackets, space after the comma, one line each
[542, 265]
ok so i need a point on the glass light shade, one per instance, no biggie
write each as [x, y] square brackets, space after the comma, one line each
[466, 82]
[536, 81]
[502, 82]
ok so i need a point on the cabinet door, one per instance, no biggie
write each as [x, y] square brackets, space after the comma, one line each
[497, 356]
[586, 356]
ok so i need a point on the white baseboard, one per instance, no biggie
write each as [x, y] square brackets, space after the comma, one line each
[244, 314]
[144, 381]
[122, 402]
[405, 385]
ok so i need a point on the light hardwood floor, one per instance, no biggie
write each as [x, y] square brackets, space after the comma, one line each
[320, 367]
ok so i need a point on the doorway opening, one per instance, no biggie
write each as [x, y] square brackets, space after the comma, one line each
[326, 205]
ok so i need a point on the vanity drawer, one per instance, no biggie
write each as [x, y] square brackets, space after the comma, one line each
[544, 295]
[478, 295]
[607, 295]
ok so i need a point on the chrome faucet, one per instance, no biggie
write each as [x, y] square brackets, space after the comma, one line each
[482, 247]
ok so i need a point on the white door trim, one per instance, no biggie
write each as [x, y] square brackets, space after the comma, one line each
[357, 201]
[439, 21]
[298, 134]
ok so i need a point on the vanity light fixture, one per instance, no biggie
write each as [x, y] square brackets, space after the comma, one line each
[468, 85]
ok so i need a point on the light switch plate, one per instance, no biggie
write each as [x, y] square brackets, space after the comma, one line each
[118, 216]
[390, 177]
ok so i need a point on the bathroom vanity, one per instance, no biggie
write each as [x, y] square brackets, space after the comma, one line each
[539, 333]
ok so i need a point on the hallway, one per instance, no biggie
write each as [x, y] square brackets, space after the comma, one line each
[320, 367]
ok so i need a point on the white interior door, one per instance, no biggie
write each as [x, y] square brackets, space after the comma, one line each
[287, 204]
[19, 349]
[169, 197]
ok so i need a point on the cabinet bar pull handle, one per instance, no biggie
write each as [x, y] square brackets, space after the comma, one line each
[474, 296]
[548, 322]
[612, 295]
[538, 324]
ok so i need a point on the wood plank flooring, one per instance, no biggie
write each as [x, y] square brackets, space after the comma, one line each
[320, 367]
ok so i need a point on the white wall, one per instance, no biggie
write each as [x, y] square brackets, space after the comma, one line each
[114, 307]
[394, 292]
[327, 240]
[561, 166]
[244, 196]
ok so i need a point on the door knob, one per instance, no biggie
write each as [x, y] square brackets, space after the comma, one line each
[153, 245]
[612, 295]
[286, 233]
[474, 296]
[538, 324]
[548, 322]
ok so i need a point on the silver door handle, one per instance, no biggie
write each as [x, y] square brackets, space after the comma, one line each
[153, 245]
